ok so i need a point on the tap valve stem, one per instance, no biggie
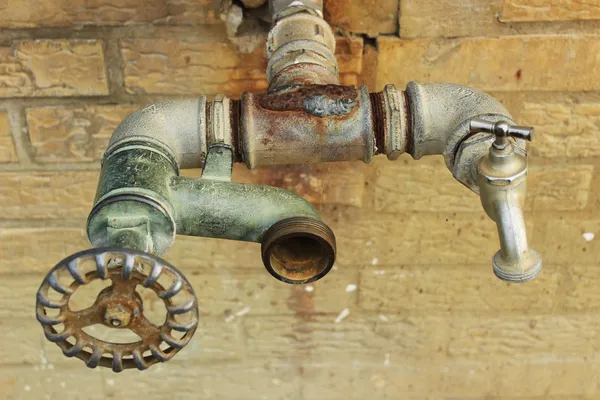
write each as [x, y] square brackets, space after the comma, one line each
[503, 130]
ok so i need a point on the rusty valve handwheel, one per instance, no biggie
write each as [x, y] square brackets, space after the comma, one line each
[117, 306]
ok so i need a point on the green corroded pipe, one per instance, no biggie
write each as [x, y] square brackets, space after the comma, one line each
[234, 211]
[142, 203]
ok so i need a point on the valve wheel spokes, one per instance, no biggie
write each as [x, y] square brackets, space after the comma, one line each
[117, 306]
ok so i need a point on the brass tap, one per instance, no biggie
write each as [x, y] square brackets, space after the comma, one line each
[501, 176]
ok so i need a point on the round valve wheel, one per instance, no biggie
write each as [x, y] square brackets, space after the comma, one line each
[118, 306]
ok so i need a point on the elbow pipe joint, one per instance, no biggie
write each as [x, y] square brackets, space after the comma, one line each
[440, 116]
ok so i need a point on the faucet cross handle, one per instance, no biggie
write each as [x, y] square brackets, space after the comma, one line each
[502, 129]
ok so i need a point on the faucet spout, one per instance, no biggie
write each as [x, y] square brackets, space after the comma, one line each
[502, 178]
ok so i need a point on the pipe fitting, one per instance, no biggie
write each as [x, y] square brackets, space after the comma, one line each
[176, 125]
[283, 8]
[219, 124]
[394, 139]
[300, 46]
[439, 120]
[297, 245]
[132, 199]
[298, 250]
[307, 124]
[142, 202]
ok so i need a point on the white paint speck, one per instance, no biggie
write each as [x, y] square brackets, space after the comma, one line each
[351, 288]
[110, 382]
[43, 359]
[63, 385]
[383, 318]
[230, 318]
[368, 244]
[309, 288]
[386, 361]
[27, 388]
[375, 261]
[242, 312]
[345, 312]
[589, 236]
[379, 272]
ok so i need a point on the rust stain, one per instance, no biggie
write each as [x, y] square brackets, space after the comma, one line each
[299, 178]
[293, 100]
[337, 11]
[302, 303]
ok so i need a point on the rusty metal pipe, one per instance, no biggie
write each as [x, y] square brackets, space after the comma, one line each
[306, 125]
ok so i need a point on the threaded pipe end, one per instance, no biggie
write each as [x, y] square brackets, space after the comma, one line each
[378, 117]
[298, 250]
[528, 274]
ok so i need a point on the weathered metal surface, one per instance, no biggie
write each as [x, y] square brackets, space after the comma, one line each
[283, 222]
[270, 137]
[219, 163]
[300, 38]
[282, 8]
[379, 116]
[298, 250]
[118, 306]
[177, 125]
[133, 185]
[218, 121]
[318, 100]
[439, 124]
[303, 73]
[215, 207]
[397, 139]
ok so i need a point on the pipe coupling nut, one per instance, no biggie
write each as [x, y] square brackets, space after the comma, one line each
[219, 121]
[396, 124]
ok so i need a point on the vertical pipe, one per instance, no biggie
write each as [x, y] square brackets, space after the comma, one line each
[300, 46]
[276, 6]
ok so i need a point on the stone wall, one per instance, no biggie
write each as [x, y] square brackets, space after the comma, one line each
[427, 318]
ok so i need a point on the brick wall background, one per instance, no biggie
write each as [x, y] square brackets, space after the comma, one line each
[427, 318]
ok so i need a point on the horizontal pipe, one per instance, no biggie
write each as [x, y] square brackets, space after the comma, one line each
[307, 125]
[234, 211]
